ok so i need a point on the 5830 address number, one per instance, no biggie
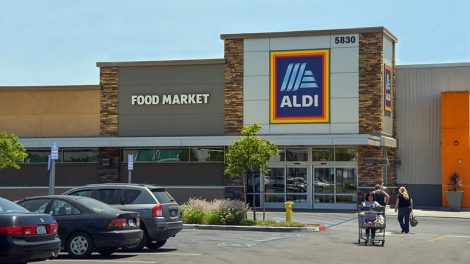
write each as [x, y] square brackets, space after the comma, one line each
[345, 40]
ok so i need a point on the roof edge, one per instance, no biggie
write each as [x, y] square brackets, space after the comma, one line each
[160, 63]
[52, 87]
[309, 33]
[434, 65]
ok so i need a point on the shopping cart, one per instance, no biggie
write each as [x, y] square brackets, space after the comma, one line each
[372, 224]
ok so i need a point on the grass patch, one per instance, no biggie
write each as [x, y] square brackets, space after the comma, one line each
[279, 224]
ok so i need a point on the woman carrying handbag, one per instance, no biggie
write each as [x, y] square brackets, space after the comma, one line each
[404, 205]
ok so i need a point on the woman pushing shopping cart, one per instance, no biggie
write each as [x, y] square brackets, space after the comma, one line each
[371, 219]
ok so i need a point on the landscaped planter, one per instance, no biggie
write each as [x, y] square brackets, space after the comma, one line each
[454, 199]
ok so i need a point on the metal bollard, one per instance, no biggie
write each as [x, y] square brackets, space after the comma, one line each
[288, 205]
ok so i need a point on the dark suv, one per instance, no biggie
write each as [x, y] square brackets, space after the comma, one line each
[159, 212]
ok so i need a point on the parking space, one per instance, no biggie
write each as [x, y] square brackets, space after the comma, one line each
[435, 240]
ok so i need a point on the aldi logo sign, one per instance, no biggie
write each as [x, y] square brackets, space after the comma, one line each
[299, 89]
[388, 88]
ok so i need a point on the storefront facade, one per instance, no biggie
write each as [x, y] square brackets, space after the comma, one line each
[326, 98]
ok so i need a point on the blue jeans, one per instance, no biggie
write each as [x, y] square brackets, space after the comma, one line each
[404, 218]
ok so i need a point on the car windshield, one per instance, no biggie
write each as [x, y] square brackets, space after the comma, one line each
[162, 196]
[7, 207]
[95, 205]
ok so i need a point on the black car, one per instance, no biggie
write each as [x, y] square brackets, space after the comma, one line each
[26, 236]
[86, 225]
[159, 212]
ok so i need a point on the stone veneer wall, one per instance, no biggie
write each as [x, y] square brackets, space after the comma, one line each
[233, 73]
[108, 170]
[109, 82]
[371, 83]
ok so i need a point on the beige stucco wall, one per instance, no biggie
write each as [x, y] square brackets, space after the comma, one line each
[58, 111]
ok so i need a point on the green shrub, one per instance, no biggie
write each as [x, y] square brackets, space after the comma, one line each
[194, 211]
[226, 212]
[279, 224]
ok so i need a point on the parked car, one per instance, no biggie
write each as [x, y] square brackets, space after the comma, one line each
[87, 225]
[26, 236]
[159, 212]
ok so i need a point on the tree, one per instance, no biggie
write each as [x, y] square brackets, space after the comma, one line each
[11, 151]
[247, 155]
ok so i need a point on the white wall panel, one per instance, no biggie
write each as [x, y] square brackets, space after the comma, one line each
[345, 128]
[256, 44]
[295, 43]
[344, 85]
[344, 110]
[256, 88]
[256, 63]
[388, 51]
[299, 128]
[345, 60]
[256, 111]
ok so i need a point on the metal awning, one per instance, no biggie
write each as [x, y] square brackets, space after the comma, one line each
[280, 140]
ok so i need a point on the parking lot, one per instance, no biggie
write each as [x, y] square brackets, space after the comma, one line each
[434, 240]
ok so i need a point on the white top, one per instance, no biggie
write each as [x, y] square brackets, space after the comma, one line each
[371, 204]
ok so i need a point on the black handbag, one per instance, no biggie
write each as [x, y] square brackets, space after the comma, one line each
[413, 220]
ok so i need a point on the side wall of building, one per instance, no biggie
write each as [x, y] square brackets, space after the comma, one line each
[418, 125]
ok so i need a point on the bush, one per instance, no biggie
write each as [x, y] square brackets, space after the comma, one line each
[194, 211]
[226, 212]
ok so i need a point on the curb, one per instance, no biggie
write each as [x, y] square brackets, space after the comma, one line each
[315, 228]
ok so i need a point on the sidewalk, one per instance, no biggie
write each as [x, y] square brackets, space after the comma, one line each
[434, 213]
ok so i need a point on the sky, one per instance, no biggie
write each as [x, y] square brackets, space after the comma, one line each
[58, 42]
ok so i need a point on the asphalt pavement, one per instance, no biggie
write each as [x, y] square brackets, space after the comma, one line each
[434, 240]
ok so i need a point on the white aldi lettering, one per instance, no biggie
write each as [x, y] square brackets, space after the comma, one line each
[299, 91]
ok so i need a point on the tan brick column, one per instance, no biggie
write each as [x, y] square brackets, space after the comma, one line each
[109, 82]
[108, 170]
[233, 105]
[371, 100]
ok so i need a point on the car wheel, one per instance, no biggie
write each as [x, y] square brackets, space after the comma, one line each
[79, 245]
[106, 251]
[152, 245]
[137, 246]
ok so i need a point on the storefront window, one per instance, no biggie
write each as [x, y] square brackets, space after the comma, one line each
[140, 155]
[346, 154]
[346, 199]
[274, 198]
[296, 180]
[172, 155]
[322, 154]
[296, 198]
[324, 180]
[91, 155]
[207, 154]
[296, 154]
[280, 157]
[324, 199]
[346, 180]
[39, 156]
[274, 181]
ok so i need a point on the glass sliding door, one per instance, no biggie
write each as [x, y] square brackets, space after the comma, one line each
[274, 187]
[324, 185]
[296, 185]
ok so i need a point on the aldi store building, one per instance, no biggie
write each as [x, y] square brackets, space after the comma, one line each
[326, 98]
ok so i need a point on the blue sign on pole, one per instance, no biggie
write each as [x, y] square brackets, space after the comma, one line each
[49, 163]
[130, 162]
[54, 151]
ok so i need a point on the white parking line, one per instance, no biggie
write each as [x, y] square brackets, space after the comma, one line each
[159, 253]
[103, 261]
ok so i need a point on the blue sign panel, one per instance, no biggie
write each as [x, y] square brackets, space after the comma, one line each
[54, 151]
[130, 162]
[299, 86]
[388, 88]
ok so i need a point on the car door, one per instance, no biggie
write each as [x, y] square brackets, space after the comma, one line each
[67, 216]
